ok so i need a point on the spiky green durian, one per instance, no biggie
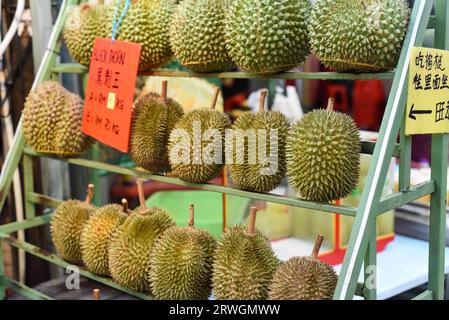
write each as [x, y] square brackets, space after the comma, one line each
[154, 118]
[51, 121]
[304, 278]
[83, 25]
[196, 145]
[67, 224]
[96, 237]
[254, 169]
[197, 35]
[131, 246]
[358, 35]
[147, 22]
[323, 160]
[181, 263]
[267, 36]
[244, 264]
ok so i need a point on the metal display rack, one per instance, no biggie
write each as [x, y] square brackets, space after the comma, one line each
[362, 243]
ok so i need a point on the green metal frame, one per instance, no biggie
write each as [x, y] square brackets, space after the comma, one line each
[362, 243]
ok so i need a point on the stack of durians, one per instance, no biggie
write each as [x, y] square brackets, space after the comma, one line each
[143, 250]
[258, 36]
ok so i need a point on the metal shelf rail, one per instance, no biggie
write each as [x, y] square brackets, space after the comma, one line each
[362, 243]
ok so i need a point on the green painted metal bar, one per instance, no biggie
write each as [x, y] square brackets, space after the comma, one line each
[369, 146]
[26, 224]
[43, 200]
[45, 255]
[388, 203]
[13, 158]
[370, 267]
[28, 178]
[73, 68]
[405, 159]
[437, 227]
[383, 152]
[439, 164]
[344, 210]
[23, 289]
[432, 22]
[2, 272]
[399, 199]
[426, 295]
[77, 68]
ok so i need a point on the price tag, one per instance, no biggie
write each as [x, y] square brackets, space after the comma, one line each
[110, 92]
[427, 109]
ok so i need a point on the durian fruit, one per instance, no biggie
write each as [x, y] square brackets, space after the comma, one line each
[84, 23]
[154, 118]
[196, 145]
[147, 22]
[304, 278]
[51, 121]
[181, 263]
[267, 36]
[358, 35]
[96, 236]
[197, 35]
[244, 263]
[130, 247]
[67, 224]
[253, 169]
[323, 155]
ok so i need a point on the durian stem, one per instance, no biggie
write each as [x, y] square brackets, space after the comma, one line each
[330, 104]
[164, 91]
[125, 205]
[101, 2]
[141, 194]
[90, 193]
[215, 99]
[191, 215]
[252, 220]
[262, 98]
[96, 294]
[317, 246]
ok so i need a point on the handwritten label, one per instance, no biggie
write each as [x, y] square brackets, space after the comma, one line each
[110, 92]
[427, 109]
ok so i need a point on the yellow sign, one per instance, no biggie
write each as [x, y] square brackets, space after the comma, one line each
[427, 109]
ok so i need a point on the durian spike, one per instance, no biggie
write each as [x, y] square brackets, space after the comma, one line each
[143, 205]
[215, 99]
[96, 294]
[90, 193]
[330, 104]
[252, 221]
[164, 91]
[317, 246]
[125, 206]
[262, 98]
[191, 216]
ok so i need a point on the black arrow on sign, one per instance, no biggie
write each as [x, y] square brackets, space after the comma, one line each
[414, 112]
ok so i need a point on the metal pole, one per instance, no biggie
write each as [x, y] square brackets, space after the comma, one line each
[439, 164]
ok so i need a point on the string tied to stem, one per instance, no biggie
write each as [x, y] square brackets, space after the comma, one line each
[116, 24]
